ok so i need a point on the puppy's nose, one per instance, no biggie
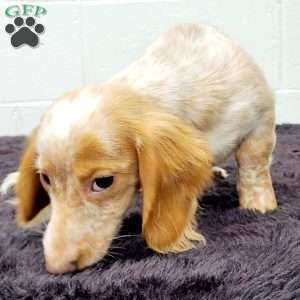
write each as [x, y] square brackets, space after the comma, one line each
[61, 268]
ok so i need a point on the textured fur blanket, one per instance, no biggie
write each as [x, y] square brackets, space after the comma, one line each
[248, 255]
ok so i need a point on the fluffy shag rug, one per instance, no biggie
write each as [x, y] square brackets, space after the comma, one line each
[248, 255]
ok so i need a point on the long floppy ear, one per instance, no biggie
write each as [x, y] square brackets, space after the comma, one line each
[174, 168]
[31, 197]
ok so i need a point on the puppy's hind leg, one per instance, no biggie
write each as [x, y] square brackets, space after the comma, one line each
[253, 159]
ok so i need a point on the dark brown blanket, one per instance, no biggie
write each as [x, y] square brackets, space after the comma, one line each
[248, 255]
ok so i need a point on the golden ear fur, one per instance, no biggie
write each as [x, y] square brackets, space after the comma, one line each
[31, 197]
[175, 169]
[175, 166]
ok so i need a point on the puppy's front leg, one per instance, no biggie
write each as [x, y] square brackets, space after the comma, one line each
[9, 183]
[253, 159]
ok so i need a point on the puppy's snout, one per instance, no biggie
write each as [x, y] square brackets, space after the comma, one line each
[61, 268]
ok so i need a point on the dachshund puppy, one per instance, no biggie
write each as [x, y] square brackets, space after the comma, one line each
[159, 126]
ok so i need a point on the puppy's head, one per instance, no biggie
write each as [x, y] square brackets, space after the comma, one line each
[89, 154]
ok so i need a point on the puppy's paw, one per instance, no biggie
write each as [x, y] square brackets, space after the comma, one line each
[9, 183]
[258, 199]
[262, 207]
[219, 172]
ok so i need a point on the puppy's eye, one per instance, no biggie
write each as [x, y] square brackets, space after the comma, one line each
[45, 178]
[102, 183]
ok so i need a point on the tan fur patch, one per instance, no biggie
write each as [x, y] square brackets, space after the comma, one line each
[31, 197]
[174, 168]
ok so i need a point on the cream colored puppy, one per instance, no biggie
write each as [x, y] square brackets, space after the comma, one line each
[161, 124]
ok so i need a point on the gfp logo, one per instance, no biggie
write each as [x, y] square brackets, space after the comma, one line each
[25, 29]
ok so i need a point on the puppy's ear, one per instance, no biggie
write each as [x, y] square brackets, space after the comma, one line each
[174, 169]
[31, 197]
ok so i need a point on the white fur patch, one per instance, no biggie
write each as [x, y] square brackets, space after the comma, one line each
[66, 114]
[220, 172]
[9, 183]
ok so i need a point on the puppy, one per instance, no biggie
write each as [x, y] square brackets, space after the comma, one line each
[190, 101]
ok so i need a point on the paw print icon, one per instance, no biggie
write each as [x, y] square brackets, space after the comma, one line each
[24, 32]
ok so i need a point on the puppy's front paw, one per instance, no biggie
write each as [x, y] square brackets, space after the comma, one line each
[9, 183]
[219, 172]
